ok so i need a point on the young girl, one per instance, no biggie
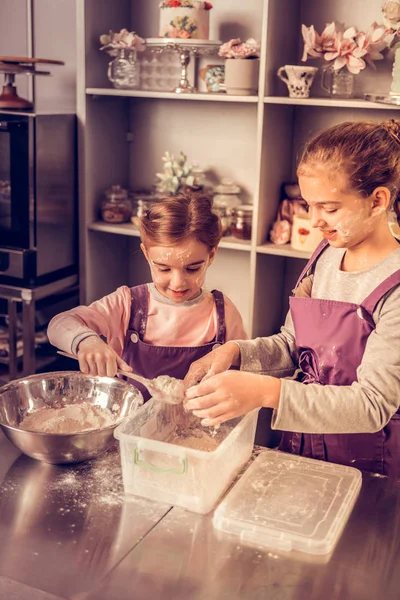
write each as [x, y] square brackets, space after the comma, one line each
[342, 330]
[162, 327]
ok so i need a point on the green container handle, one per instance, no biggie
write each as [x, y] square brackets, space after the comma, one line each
[147, 465]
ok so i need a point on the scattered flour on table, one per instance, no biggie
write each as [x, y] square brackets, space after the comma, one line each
[73, 418]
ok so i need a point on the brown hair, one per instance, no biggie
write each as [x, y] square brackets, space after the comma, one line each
[368, 152]
[175, 218]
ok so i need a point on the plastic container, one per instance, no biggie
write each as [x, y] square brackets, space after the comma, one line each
[289, 502]
[161, 471]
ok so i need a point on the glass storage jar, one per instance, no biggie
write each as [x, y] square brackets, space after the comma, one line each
[141, 202]
[221, 209]
[242, 219]
[123, 70]
[227, 195]
[116, 207]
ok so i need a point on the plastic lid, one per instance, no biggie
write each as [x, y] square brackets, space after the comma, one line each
[227, 186]
[289, 502]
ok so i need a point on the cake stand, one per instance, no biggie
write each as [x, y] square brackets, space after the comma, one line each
[185, 49]
[16, 65]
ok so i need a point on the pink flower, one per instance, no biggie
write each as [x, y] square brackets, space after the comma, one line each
[346, 48]
[235, 48]
[391, 13]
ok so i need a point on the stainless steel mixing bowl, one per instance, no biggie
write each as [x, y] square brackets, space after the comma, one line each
[55, 390]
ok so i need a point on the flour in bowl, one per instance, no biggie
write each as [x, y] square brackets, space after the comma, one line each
[73, 418]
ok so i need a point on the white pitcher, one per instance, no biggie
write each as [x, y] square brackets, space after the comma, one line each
[298, 79]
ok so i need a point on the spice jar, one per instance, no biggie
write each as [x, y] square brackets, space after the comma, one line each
[242, 219]
[116, 207]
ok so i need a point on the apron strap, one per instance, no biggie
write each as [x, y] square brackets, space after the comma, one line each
[317, 252]
[139, 309]
[220, 307]
[383, 288]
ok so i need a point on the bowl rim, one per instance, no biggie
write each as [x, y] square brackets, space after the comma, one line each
[36, 376]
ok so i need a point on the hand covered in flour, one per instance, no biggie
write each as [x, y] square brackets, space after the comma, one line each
[231, 394]
[217, 361]
[98, 358]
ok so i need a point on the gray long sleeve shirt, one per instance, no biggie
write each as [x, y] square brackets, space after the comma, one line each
[368, 403]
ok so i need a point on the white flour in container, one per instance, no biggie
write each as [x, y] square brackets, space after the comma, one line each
[197, 437]
[72, 418]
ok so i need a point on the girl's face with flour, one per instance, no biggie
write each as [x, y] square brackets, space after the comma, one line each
[179, 271]
[345, 218]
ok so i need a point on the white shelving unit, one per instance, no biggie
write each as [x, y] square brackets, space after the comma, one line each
[254, 140]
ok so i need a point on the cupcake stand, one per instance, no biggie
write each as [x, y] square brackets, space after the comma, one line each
[186, 49]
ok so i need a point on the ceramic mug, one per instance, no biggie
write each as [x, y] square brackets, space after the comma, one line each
[298, 79]
[304, 236]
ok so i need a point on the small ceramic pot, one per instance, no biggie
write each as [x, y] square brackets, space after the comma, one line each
[241, 76]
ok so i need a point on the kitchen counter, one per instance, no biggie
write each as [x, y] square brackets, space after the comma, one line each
[67, 533]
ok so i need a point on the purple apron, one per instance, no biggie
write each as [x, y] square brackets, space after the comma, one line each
[331, 337]
[151, 361]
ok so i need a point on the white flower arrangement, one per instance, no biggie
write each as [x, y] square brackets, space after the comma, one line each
[124, 39]
[175, 175]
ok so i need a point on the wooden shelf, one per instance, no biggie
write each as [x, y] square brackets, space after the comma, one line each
[231, 243]
[118, 228]
[207, 97]
[351, 103]
[282, 250]
[228, 242]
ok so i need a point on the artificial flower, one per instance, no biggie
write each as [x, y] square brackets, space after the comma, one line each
[124, 39]
[176, 174]
[346, 47]
[235, 48]
[391, 14]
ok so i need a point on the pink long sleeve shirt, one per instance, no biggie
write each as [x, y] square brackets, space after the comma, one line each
[191, 323]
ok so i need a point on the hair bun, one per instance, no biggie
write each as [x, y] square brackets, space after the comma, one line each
[393, 129]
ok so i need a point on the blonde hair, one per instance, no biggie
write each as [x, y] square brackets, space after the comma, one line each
[173, 219]
[366, 151]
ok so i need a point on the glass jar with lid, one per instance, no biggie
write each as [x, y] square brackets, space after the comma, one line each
[228, 192]
[221, 209]
[116, 207]
[242, 221]
[141, 201]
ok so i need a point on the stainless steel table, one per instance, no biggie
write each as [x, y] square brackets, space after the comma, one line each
[63, 528]
[66, 533]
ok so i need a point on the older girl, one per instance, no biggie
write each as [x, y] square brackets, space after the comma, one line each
[341, 335]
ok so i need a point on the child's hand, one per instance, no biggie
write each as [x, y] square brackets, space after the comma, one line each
[231, 394]
[98, 358]
[214, 362]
